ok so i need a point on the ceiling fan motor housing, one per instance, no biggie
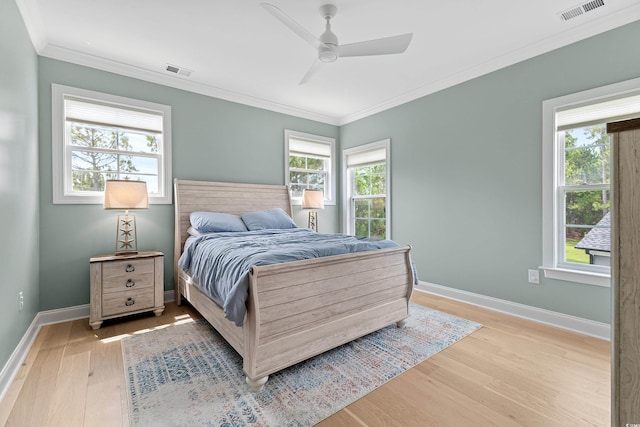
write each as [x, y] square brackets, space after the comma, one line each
[328, 52]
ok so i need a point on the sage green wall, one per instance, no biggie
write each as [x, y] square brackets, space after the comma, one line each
[18, 179]
[212, 140]
[467, 173]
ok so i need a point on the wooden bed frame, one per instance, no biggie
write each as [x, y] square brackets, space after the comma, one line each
[299, 309]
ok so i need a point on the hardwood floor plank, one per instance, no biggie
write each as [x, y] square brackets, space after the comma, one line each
[511, 372]
[55, 335]
[38, 387]
[473, 384]
[68, 400]
[11, 396]
[106, 392]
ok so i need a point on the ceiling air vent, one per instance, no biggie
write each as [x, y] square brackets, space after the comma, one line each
[576, 11]
[178, 70]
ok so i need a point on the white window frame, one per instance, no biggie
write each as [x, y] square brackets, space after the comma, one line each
[330, 181]
[552, 165]
[347, 225]
[62, 192]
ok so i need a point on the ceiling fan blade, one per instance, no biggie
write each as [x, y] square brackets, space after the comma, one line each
[317, 64]
[383, 46]
[293, 25]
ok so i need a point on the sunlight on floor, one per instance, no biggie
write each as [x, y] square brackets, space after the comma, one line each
[179, 320]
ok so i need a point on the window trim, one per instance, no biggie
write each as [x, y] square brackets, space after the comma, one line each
[550, 159]
[60, 162]
[329, 196]
[346, 196]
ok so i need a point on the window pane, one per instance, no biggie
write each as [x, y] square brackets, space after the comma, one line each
[88, 181]
[362, 227]
[299, 181]
[97, 137]
[587, 156]
[572, 238]
[89, 170]
[361, 208]
[378, 206]
[380, 168]
[145, 165]
[588, 230]
[378, 228]
[586, 207]
[296, 189]
[307, 178]
[378, 184]
[297, 162]
[93, 161]
[140, 142]
[315, 164]
[362, 184]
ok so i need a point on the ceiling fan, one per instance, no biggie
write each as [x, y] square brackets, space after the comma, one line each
[327, 44]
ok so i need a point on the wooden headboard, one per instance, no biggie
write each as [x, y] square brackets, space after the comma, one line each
[225, 197]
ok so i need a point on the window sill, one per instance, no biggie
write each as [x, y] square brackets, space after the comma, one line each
[584, 277]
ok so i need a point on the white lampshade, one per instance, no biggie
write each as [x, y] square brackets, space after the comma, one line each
[312, 199]
[125, 194]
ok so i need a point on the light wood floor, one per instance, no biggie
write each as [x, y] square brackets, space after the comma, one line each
[512, 372]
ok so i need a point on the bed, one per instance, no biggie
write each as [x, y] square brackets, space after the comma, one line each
[294, 310]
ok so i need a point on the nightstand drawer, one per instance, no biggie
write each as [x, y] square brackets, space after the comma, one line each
[127, 275]
[127, 301]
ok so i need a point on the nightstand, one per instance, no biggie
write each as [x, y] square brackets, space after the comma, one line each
[126, 284]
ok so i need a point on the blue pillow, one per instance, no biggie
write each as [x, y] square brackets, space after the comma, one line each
[271, 218]
[216, 222]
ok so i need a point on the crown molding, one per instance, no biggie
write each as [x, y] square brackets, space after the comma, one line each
[177, 82]
[573, 35]
[587, 29]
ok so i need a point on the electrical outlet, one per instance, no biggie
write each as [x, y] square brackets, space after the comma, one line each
[534, 276]
[20, 301]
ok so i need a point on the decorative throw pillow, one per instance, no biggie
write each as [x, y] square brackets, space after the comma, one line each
[268, 219]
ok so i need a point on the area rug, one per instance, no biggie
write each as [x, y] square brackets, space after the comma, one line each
[187, 375]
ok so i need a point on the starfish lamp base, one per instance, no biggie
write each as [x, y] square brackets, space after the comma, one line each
[126, 238]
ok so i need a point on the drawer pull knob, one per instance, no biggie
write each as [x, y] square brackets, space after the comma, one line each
[130, 268]
[130, 283]
[130, 301]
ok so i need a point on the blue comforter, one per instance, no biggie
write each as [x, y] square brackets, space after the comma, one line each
[220, 262]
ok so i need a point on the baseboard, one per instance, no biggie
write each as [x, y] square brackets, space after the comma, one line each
[49, 317]
[540, 315]
[560, 320]
[10, 369]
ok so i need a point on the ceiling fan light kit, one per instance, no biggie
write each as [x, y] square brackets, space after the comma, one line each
[329, 50]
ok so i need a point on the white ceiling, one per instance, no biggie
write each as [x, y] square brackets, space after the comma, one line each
[239, 52]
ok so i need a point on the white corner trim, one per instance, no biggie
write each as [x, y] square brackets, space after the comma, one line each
[540, 315]
[42, 318]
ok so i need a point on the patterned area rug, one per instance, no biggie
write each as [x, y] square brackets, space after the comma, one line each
[187, 375]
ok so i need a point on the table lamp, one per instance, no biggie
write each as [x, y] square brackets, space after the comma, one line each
[125, 195]
[313, 199]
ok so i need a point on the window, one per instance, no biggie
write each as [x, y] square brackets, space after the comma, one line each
[309, 164]
[367, 187]
[97, 136]
[584, 198]
[576, 181]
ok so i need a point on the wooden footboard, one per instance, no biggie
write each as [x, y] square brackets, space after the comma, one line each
[300, 309]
